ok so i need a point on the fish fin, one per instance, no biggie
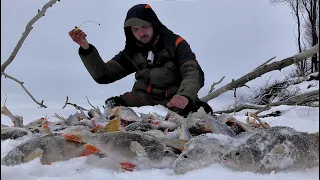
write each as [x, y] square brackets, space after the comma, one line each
[128, 166]
[46, 129]
[59, 117]
[115, 111]
[175, 143]
[137, 148]
[42, 119]
[166, 132]
[266, 124]
[5, 110]
[96, 128]
[179, 133]
[33, 155]
[91, 148]
[181, 147]
[85, 153]
[112, 126]
[72, 137]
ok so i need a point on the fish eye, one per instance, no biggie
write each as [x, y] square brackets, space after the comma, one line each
[237, 153]
[185, 156]
[166, 152]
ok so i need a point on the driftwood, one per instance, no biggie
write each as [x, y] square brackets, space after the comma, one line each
[24, 36]
[278, 65]
[296, 100]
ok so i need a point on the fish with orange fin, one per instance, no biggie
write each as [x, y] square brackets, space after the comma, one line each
[49, 148]
[141, 150]
[126, 114]
[113, 126]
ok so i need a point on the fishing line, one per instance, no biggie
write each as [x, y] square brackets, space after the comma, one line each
[84, 23]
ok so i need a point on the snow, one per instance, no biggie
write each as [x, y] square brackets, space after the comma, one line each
[298, 117]
[77, 83]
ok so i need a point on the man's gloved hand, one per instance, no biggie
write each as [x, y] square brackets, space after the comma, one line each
[178, 101]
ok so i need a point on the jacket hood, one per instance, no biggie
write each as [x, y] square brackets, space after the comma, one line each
[141, 13]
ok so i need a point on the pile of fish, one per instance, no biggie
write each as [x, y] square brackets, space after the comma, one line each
[136, 142]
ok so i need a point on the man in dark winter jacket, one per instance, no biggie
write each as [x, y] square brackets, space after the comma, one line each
[166, 69]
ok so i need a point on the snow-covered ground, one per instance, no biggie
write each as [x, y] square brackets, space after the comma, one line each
[299, 117]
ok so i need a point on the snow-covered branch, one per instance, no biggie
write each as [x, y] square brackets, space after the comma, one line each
[278, 65]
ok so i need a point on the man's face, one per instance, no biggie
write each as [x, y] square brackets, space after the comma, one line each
[142, 33]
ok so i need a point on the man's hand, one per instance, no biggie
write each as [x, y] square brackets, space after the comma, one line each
[78, 36]
[178, 101]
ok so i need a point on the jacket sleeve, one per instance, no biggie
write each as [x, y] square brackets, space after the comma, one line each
[191, 72]
[102, 72]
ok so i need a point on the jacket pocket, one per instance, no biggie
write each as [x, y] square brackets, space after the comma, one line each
[164, 77]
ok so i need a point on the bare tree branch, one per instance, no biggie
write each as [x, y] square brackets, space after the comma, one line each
[95, 108]
[299, 99]
[26, 33]
[239, 108]
[21, 84]
[16, 120]
[65, 104]
[278, 65]
[265, 63]
[215, 83]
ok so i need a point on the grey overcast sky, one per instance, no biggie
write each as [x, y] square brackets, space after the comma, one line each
[230, 38]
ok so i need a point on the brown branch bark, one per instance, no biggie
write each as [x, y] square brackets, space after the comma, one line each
[278, 65]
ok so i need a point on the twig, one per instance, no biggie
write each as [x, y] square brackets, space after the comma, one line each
[95, 108]
[215, 83]
[21, 84]
[16, 120]
[235, 98]
[77, 107]
[90, 103]
[65, 104]
[26, 33]
[74, 105]
[265, 63]
[5, 99]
